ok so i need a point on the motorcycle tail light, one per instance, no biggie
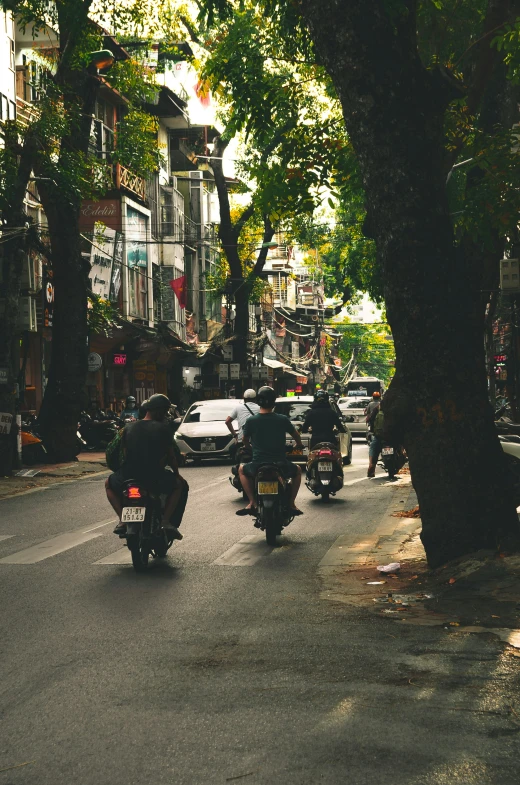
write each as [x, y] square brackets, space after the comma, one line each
[134, 493]
[325, 452]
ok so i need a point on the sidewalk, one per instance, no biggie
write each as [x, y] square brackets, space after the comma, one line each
[479, 593]
[87, 464]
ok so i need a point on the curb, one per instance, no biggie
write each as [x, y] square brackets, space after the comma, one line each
[85, 476]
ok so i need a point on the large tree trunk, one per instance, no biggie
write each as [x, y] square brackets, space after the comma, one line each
[437, 404]
[65, 392]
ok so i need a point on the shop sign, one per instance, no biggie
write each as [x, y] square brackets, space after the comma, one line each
[264, 372]
[106, 210]
[139, 376]
[227, 353]
[234, 371]
[48, 299]
[6, 420]
[255, 372]
[290, 393]
[119, 359]
[95, 362]
[136, 233]
[115, 284]
[4, 375]
[101, 260]
[301, 379]
[223, 371]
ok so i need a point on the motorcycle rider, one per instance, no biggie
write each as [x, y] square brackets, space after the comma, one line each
[148, 450]
[372, 409]
[266, 433]
[376, 444]
[241, 413]
[131, 410]
[322, 419]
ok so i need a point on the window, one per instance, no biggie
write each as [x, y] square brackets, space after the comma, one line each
[12, 61]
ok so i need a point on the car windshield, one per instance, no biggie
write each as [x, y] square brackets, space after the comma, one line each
[209, 412]
[359, 403]
[294, 411]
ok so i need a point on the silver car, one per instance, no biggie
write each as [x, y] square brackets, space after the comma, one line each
[295, 408]
[203, 432]
[355, 406]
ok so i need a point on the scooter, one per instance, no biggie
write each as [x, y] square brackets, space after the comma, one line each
[272, 494]
[324, 470]
[392, 459]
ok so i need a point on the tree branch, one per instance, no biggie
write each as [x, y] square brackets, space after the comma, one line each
[262, 256]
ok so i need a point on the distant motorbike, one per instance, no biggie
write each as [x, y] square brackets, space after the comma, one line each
[33, 448]
[392, 459]
[142, 514]
[324, 470]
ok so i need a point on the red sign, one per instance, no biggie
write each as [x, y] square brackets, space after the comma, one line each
[119, 359]
[179, 287]
[107, 211]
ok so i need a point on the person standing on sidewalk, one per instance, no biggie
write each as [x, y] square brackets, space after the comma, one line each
[376, 444]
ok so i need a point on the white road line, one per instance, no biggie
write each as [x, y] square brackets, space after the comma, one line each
[205, 488]
[360, 479]
[121, 556]
[100, 525]
[6, 536]
[244, 553]
[54, 546]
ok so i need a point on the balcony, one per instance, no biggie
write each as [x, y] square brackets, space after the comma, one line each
[26, 113]
[124, 178]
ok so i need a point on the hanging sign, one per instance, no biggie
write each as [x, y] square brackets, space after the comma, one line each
[94, 362]
[119, 359]
[234, 371]
[115, 284]
[48, 298]
[101, 260]
[227, 352]
[223, 371]
[136, 235]
[4, 375]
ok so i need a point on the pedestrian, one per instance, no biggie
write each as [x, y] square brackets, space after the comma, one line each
[376, 444]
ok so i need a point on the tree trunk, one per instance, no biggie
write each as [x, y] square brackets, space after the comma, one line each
[437, 405]
[65, 392]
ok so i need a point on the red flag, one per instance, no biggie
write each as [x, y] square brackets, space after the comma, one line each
[179, 287]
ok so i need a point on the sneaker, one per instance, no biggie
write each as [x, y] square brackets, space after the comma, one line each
[120, 529]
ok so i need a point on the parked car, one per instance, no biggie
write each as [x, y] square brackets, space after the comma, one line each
[355, 407]
[295, 408]
[202, 432]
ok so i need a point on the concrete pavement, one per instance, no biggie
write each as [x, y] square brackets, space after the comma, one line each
[224, 663]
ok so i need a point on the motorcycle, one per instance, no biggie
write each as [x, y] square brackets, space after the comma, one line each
[243, 455]
[392, 459]
[33, 448]
[97, 433]
[142, 514]
[272, 494]
[324, 471]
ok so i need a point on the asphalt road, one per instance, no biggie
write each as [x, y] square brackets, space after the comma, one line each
[223, 664]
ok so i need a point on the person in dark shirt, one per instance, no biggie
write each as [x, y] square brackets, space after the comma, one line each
[265, 433]
[322, 420]
[148, 451]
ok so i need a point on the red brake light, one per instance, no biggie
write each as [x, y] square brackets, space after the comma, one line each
[134, 493]
[325, 452]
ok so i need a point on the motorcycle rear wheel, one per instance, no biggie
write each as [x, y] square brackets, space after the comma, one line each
[325, 495]
[271, 526]
[140, 553]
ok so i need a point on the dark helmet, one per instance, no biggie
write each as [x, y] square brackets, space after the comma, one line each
[130, 399]
[266, 397]
[321, 396]
[157, 403]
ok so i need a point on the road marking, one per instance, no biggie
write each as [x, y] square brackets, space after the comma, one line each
[6, 536]
[121, 556]
[244, 553]
[360, 479]
[100, 525]
[217, 482]
[54, 546]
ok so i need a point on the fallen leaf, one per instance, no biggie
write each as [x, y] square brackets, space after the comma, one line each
[452, 580]
[454, 624]
[414, 577]
[494, 617]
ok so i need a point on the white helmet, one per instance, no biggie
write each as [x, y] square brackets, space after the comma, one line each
[249, 395]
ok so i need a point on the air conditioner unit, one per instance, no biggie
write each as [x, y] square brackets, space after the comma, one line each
[27, 314]
[196, 175]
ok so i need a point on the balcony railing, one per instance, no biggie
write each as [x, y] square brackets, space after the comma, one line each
[124, 178]
[26, 113]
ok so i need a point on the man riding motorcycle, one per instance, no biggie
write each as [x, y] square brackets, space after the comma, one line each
[266, 433]
[148, 450]
[241, 413]
[322, 420]
[131, 410]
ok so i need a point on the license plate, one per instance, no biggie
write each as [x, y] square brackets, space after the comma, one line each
[267, 488]
[208, 446]
[324, 466]
[133, 514]
[387, 451]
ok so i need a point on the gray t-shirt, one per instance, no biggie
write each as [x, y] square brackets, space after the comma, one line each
[241, 413]
[267, 434]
